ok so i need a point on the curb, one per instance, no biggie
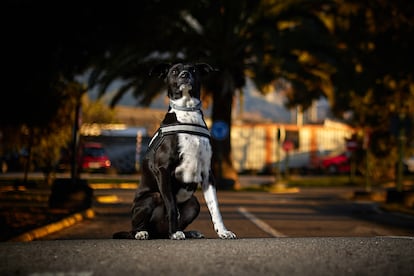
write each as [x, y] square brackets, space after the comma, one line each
[125, 185]
[54, 227]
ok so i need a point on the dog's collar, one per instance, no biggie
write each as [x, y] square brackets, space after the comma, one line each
[180, 128]
[184, 108]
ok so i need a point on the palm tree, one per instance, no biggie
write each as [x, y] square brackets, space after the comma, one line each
[263, 40]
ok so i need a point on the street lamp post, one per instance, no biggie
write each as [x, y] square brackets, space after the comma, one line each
[401, 149]
[74, 173]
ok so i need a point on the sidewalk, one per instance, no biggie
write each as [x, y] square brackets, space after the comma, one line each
[54, 226]
[24, 210]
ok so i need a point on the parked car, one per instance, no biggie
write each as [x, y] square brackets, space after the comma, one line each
[298, 163]
[336, 162]
[94, 158]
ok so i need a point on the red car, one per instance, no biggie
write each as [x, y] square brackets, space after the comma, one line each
[94, 158]
[336, 163]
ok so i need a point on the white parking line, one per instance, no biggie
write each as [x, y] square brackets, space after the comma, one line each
[260, 223]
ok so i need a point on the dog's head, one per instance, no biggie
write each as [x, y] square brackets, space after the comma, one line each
[183, 80]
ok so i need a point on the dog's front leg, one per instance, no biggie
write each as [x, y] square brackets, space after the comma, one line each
[210, 196]
[170, 206]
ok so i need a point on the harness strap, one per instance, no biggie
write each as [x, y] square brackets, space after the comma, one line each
[185, 128]
[178, 128]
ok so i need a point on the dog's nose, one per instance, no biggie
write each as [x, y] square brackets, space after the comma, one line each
[184, 74]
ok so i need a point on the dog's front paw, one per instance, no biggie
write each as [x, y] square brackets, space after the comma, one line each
[142, 235]
[226, 235]
[179, 235]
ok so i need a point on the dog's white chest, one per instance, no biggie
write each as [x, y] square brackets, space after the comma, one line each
[194, 151]
[195, 155]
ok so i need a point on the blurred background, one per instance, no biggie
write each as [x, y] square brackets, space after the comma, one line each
[304, 87]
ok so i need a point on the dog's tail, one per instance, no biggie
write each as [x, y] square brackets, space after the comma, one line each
[124, 235]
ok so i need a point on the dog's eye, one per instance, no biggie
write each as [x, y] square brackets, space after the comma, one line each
[174, 72]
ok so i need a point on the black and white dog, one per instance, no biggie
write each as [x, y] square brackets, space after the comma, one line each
[178, 159]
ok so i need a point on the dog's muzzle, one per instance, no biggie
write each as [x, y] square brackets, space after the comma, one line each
[184, 75]
[185, 78]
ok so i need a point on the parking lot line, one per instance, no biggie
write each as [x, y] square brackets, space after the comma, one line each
[260, 223]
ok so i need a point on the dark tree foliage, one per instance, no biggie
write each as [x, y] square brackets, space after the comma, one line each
[375, 77]
[47, 43]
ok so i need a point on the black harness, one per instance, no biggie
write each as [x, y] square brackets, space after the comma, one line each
[177, 128]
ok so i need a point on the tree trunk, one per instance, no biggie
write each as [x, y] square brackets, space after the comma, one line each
[225, 174]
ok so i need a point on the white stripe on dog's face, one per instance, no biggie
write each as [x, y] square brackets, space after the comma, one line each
[185, 88]
[186, 100]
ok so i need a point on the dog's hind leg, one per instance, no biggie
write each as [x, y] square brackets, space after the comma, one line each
[142, 210]
[189, 211]
[163, 178]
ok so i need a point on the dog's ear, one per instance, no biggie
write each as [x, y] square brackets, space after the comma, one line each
[204, 68]
[160, 70]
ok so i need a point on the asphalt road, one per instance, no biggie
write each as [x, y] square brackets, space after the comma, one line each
[312, 232]
[271, 256]
[315, 212]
